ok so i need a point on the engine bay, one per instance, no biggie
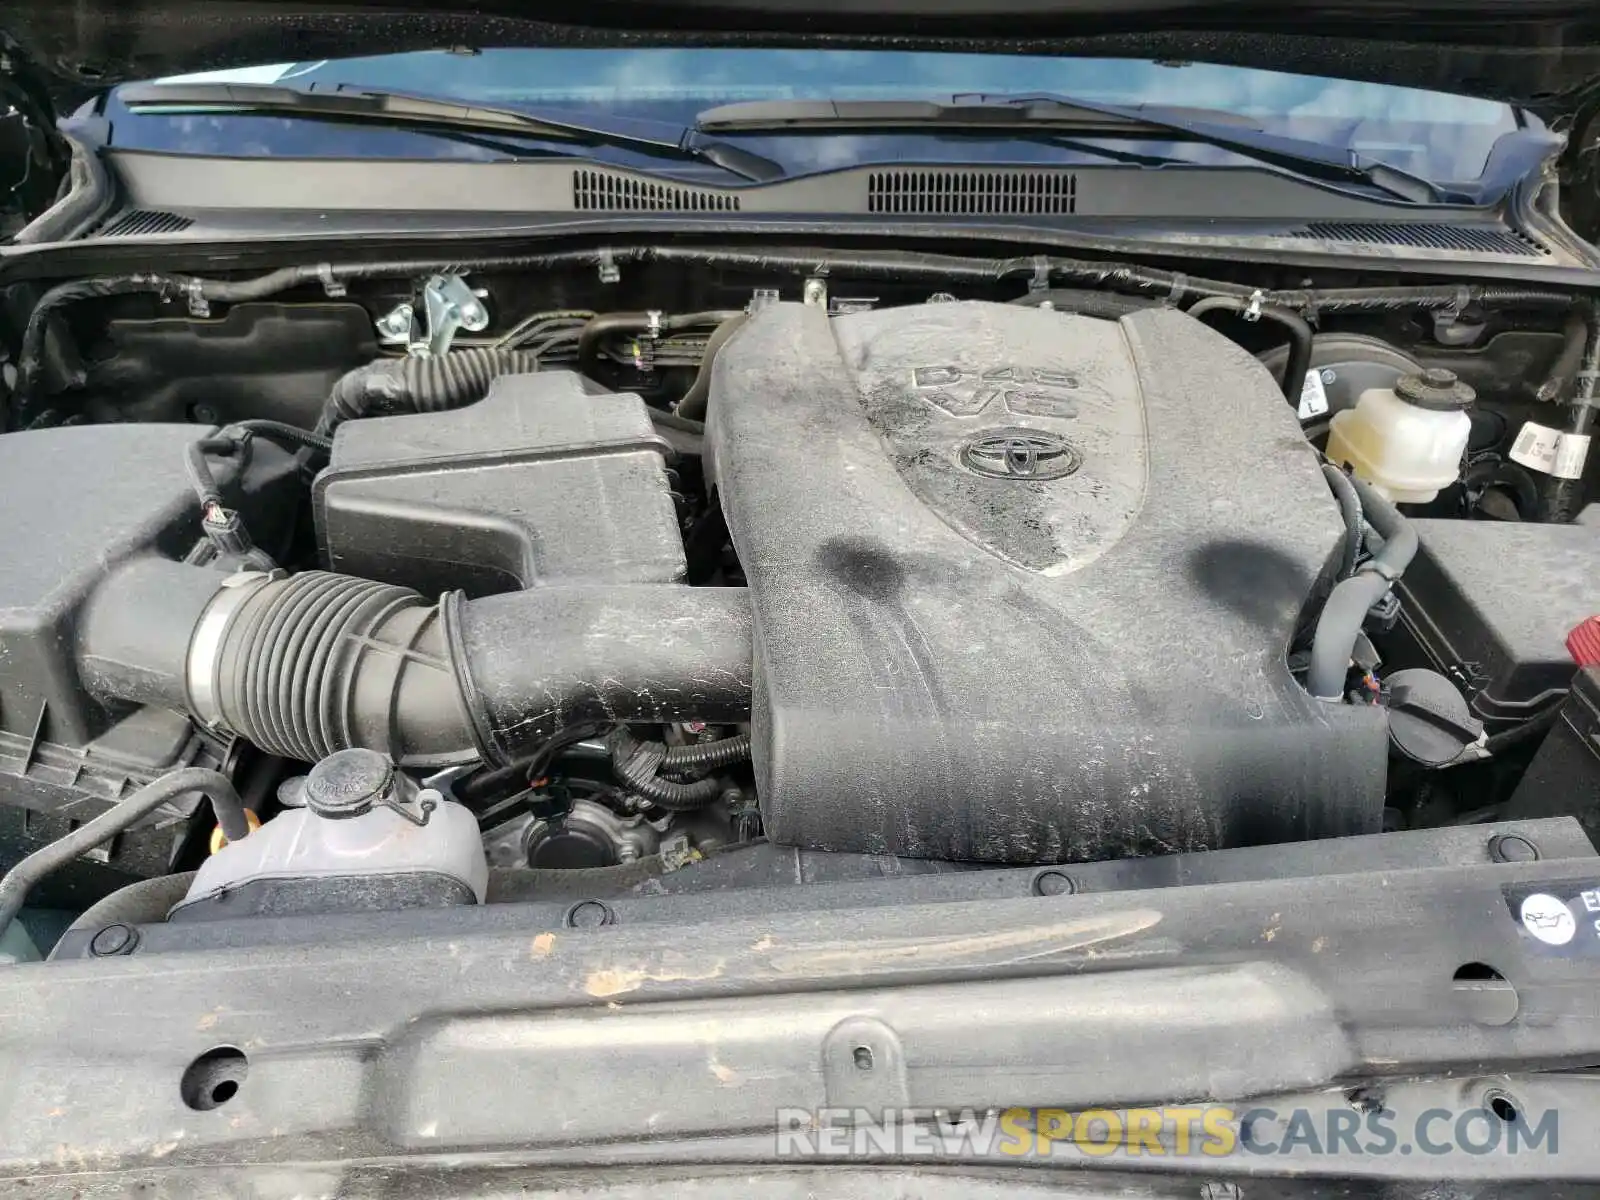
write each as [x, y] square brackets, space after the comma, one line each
[578, 575]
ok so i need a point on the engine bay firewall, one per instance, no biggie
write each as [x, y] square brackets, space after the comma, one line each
[1024, 584]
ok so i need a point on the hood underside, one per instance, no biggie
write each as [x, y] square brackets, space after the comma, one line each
[1542, 54]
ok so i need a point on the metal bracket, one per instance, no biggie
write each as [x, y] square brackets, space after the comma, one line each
[609, 271]
[448, 306]
[332, 287]
[1448, 327]
[194, 293]
[427, 801]
[1041, 275]
[1252, 310]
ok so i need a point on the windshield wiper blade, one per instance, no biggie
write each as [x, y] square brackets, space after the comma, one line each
[409, 108]
[1040, 111]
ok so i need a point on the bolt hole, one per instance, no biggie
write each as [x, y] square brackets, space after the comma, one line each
[863, 1057]
[1487, 997]
[1502, 1106]
[213, 1079]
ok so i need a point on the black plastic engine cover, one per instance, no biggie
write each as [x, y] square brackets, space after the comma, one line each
[1024, 584]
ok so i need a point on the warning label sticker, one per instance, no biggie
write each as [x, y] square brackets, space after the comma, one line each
[1313, 396]
[1551, 450]
[1558, 917]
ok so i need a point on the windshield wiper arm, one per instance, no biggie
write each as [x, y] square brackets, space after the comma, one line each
[409, 108]
[1044, 111]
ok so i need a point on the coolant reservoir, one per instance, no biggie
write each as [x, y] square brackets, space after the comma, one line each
[1408, 441]
[367, 839]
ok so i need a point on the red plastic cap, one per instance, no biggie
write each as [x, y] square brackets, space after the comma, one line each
[1583, 643]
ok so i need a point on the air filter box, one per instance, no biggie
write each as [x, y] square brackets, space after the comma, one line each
[547, 480]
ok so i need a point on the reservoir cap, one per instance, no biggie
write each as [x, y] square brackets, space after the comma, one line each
[1436, 389]
[348, 783]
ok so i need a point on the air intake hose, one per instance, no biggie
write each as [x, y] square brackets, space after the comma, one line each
[313, 663]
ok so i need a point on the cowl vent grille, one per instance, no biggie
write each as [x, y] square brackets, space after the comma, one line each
[143, 221]
[597, 191]
[1425, 237]
[972, 192]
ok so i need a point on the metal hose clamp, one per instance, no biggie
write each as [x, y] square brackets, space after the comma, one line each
[205, 645]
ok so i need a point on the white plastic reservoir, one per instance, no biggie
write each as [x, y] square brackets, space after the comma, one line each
[361, 817]
[1407, 441]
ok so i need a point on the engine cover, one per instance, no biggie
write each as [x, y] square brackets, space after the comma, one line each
[1024, 584]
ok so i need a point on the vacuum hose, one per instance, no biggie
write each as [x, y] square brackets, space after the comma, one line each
[124, 815]
[1354, 518]
[1300, 335]
[1346, 609]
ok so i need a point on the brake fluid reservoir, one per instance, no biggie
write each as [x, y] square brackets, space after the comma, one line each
[1407, 441]
[367, 839]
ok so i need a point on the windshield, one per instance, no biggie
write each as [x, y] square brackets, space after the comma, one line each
[1437, 136]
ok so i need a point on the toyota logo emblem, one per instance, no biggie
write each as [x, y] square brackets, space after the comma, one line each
[1022, 454]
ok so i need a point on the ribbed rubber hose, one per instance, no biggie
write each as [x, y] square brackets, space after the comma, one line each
[293, 669]
[708, 756]
[405, 385]
[225, 803]
[283, 431]
[637, 765]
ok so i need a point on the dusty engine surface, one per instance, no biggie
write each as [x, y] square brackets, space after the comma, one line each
[1020, 587]
[1023, 586]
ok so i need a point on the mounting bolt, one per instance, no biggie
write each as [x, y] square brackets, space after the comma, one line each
[1053, 883]
[114, 939]
[395, 325]
[1512, 848]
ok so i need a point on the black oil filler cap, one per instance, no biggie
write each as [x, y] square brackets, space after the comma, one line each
[1429, 721]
